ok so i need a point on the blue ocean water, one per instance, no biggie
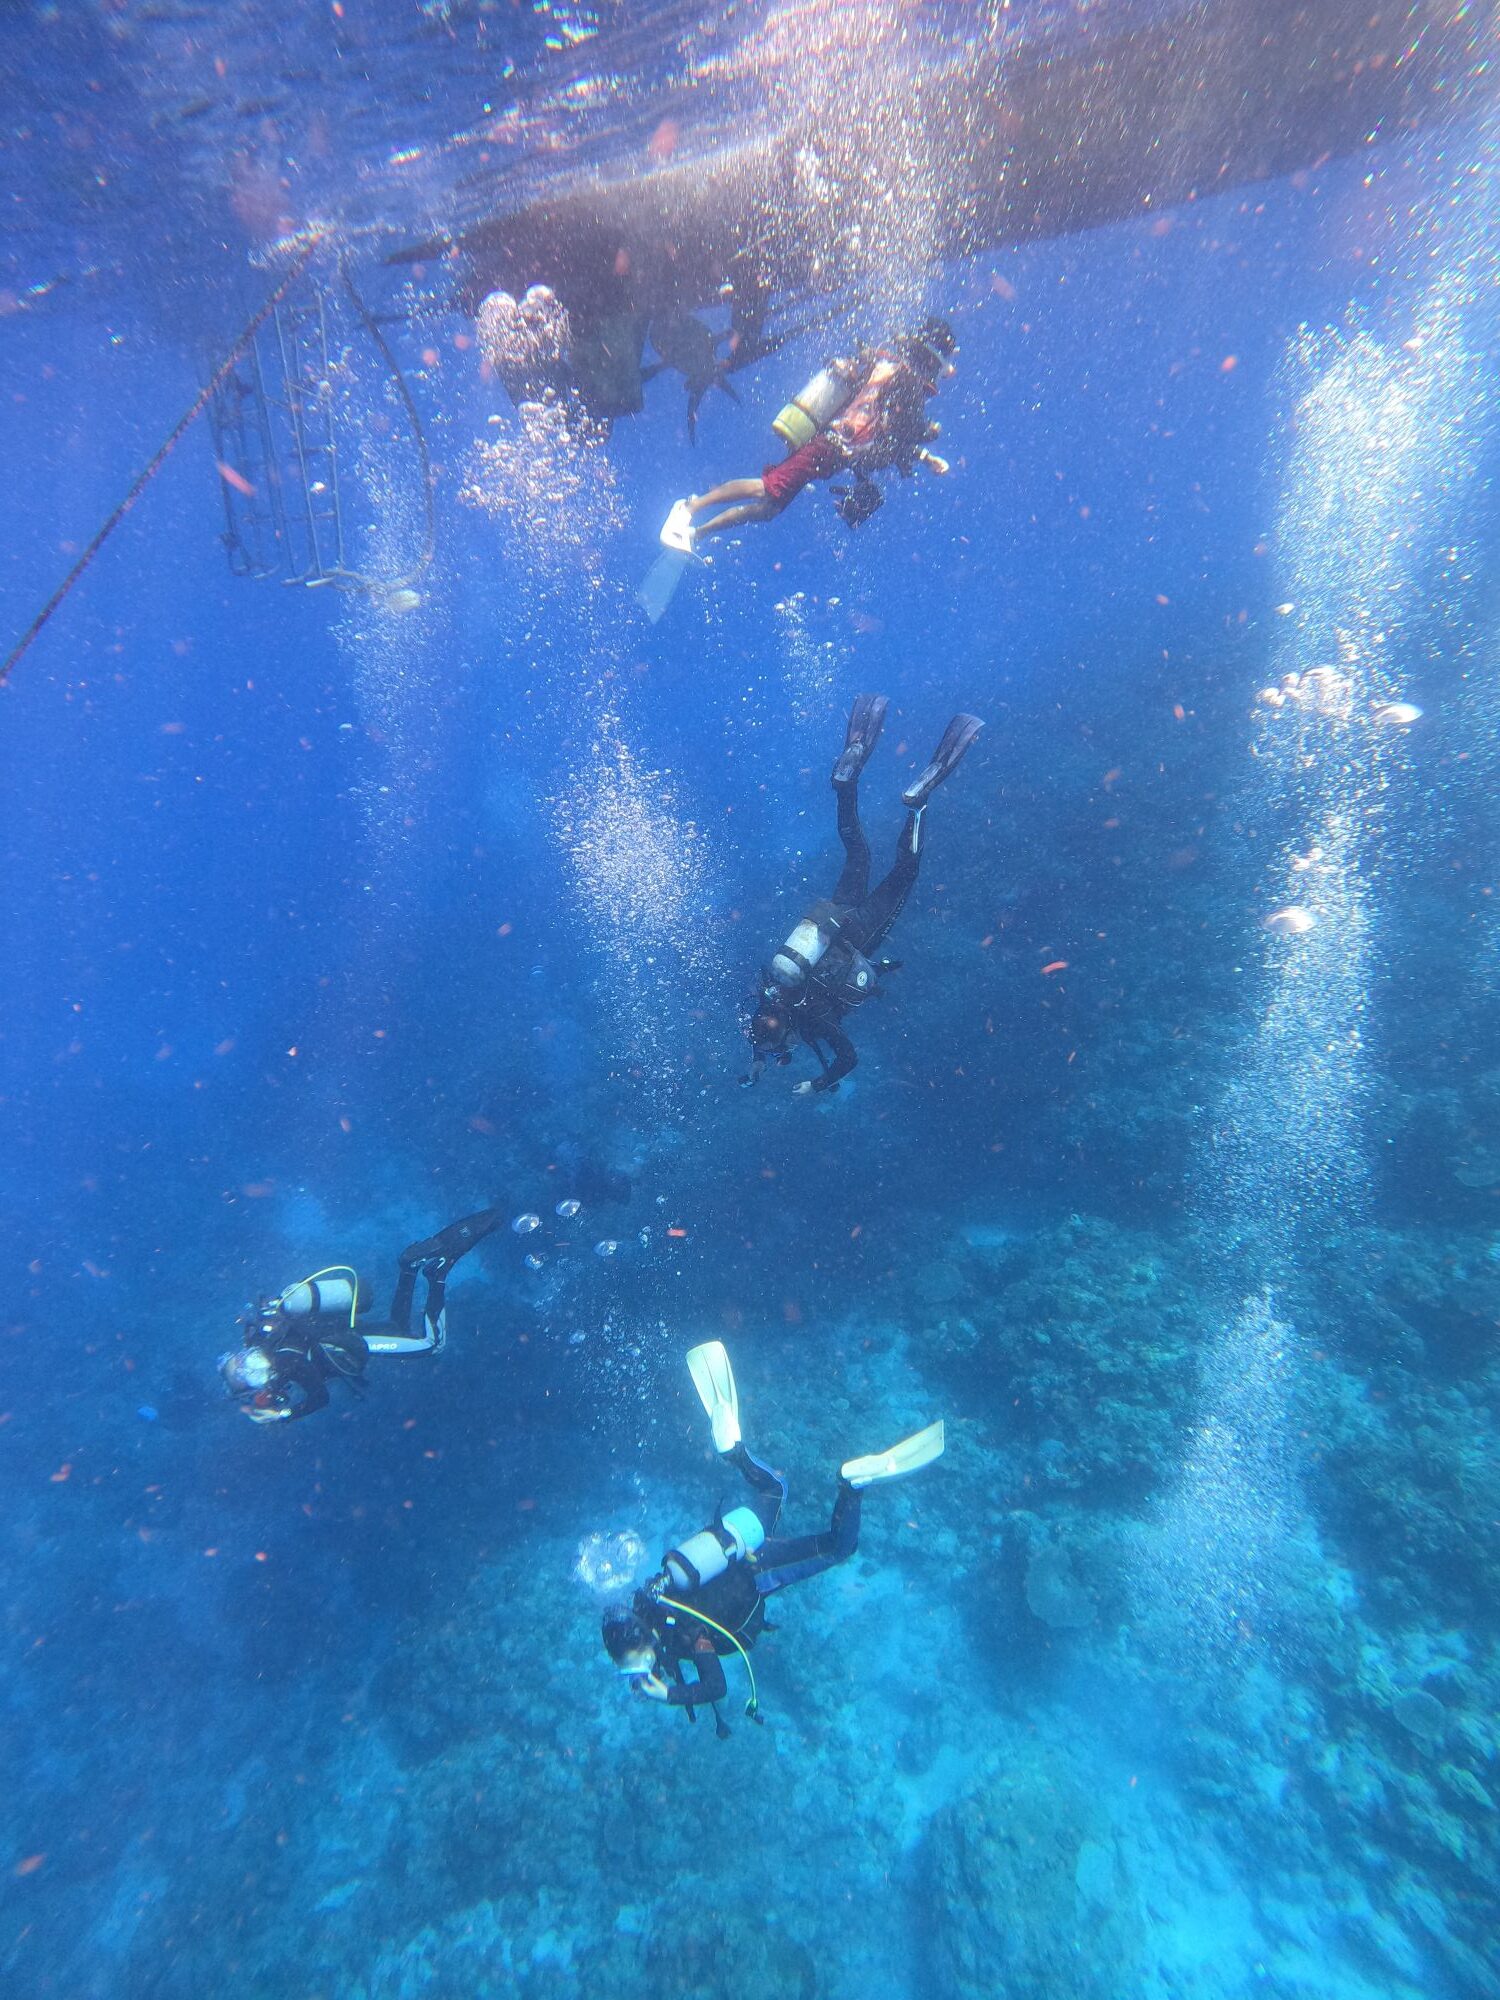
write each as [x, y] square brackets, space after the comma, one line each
[1166, 1176]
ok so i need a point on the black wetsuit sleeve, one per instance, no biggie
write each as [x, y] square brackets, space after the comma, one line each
[844, 1057]
[710, 1685]
[300, 1389]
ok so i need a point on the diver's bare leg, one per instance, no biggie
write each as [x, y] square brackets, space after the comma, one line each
[735, 517]
[731, 489]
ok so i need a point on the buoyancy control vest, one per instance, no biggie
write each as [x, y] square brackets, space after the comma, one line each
[818, 957]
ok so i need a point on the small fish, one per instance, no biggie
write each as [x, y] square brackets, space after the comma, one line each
[1397, 714]
[568, 1209]
[236, 479]
[606, 1247]
[1293, 921]
[524, 1224]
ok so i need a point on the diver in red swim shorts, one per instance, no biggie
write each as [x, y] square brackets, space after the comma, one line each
[859, 416]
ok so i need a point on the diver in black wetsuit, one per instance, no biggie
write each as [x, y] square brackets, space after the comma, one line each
[295, 1345]
[709, 1597]
[827, 966]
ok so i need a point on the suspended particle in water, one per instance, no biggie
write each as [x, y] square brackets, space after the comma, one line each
[568, 1209]
[524, 1224]
[1397, 714]
[399, 602]
[532, 1261]
[577, 1337]
[645, 1239]
[1293, 921]
[606, 1247]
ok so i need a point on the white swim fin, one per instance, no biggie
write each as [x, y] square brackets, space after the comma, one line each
[677, 531]
[713, 1378]
[909, 1456]
[660, 585]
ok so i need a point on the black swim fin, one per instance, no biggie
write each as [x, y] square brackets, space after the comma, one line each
[866, 720]
[947, 757]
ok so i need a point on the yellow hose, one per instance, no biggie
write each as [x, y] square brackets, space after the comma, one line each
[752, 1706]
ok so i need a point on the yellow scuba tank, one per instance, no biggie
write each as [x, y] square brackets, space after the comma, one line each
[817, 403]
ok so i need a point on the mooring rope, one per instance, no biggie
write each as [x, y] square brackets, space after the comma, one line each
[144, 478]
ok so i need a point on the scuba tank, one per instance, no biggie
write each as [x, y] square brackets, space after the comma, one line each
[792, 965]
[319, 1295]
[817, 403]
[709, 1553]
[817, 955]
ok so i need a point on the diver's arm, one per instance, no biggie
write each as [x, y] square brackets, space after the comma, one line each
[310, 1387]
[710, 1685]
[297, 1392]
[845, 1058]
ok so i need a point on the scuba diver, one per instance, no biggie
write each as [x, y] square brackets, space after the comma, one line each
[295, 1345]
[826, 968]
[861, 415]
[709, 1597]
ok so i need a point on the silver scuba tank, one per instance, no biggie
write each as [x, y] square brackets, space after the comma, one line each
[709, 1553]
[317, 1296]
[817, 403]
[791, 965]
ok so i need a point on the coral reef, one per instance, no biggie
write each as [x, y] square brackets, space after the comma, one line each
[1026, 1885]
[1077, 1348]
